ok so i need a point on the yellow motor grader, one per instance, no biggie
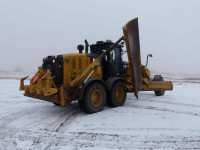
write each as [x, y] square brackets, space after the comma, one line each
[98, 77]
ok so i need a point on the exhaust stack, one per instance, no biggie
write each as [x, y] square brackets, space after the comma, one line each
[86, 46]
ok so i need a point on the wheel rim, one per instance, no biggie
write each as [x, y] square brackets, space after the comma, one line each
[119, 94]
[96, 98]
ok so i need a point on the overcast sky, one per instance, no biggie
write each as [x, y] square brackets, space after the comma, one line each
[33, 29]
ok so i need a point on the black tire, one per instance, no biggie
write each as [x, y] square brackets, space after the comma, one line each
[114, 99]
[82, 106]
[158, 78]
[94, 98]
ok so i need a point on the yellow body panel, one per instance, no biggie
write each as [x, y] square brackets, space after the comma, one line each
[76, 63]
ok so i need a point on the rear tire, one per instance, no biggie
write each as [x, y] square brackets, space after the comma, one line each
[117, 95]
[82, 106]
[158, 78]
[94, 98]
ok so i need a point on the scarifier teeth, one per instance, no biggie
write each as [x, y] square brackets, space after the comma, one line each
[51, 78]
[25, 78]
[43, 77]
[39, 86]
[22, 83]
[44, 86]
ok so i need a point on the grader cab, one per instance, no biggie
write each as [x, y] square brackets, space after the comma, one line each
[98, 77]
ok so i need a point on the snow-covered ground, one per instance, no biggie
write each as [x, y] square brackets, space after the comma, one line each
[14, 75]
[168, 122]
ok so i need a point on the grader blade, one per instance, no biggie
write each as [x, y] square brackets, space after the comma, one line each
[131, 37]
[53, 98]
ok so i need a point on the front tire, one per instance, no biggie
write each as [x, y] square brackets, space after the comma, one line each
[117, 95]
[158, 78]
[94, 98]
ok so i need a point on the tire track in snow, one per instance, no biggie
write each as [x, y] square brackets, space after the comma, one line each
[16, 115]
[72, 116]
[51, 122]
[77, 140]
[173, 103]
[42, 139]
[63, 120]
[165, 109]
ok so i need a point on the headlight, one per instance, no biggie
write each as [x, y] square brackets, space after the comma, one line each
[53, 61]
[42, 62]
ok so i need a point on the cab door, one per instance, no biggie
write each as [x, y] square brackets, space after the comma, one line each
[112, 64]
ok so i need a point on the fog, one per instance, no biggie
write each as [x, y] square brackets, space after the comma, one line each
[33, 29]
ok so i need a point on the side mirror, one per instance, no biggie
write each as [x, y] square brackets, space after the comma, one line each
[149, 55]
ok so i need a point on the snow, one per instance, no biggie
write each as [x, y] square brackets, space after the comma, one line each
[171, 121]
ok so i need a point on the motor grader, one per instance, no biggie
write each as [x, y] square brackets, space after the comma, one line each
[98, 77]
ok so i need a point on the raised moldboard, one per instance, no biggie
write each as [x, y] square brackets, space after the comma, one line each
[131, 37]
